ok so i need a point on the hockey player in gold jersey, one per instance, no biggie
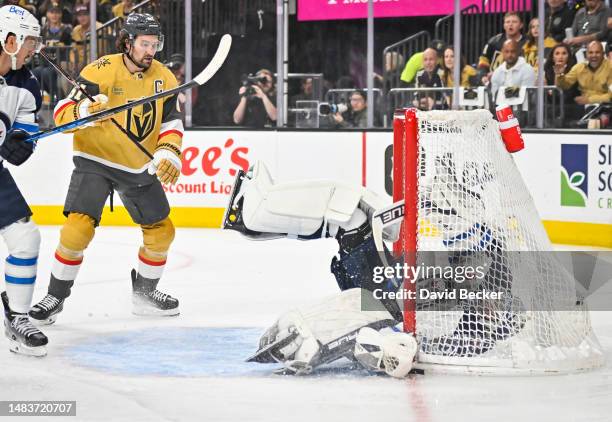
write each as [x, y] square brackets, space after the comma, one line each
[106, 161]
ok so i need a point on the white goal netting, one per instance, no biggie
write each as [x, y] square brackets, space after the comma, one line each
[476, 211]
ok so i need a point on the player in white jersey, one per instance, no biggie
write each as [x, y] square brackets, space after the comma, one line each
[20, 99]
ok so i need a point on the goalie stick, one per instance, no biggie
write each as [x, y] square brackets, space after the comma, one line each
[75, 84]
[203, 77]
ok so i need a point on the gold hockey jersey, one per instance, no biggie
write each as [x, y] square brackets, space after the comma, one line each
[152, 124]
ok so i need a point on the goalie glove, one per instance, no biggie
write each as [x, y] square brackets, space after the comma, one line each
[15, 149]
[290, 342]
[166, 164]
[86, 108]
[386, 351]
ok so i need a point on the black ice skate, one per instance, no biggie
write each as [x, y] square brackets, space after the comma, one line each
[24, 337]
[147, 300]
[45, 312]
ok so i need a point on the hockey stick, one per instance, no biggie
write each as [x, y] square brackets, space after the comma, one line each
[75, 84]
[203, 77]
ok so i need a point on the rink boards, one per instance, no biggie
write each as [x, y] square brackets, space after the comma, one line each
[569, 175]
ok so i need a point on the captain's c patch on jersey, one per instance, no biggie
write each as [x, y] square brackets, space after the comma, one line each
[158, 85]
[141, 120]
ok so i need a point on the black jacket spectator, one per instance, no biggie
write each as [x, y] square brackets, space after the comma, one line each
[66, 7]
[558, 19]
[256, 115]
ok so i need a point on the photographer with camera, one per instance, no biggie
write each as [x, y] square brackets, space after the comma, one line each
[257, 106]
[343, 116]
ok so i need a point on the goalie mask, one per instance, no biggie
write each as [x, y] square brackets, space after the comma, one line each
[17, 21]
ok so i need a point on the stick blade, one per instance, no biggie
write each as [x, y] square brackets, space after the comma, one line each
[217, 60]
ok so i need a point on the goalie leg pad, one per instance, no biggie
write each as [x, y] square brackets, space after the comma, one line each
[313, 335]
[294, 208]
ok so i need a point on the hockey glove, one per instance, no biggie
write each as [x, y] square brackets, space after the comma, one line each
[15, 149]
[87, 107]
[166, 165]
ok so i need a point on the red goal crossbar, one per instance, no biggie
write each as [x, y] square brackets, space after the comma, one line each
[405, 186]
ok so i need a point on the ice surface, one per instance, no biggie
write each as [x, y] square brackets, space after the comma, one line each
[121, 367]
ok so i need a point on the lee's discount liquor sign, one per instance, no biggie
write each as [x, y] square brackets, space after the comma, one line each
[211, 161]
[358, 9]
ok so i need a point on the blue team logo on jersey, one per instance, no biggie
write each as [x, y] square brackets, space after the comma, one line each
[574, 175]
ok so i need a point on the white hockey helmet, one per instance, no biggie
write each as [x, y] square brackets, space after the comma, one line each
[386, 351]
[18, 21]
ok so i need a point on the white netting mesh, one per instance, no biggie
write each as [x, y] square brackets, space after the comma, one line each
[474, 205]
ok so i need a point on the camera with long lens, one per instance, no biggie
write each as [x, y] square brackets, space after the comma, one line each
[249, 80]
[327, 108]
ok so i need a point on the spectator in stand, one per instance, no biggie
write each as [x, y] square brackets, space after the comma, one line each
[123, 8]
[594, 78]
[66, 7]
[590, 24]
[105, 10]
[306, 90]
[530, 48]
[56, 36]
[609, 43]
[415, 63]
[176, 64]
[561, 57]
[257, 107]
[491, 56]
[78, 55]
[468, 73]
[559, 16]
[514, 72]
[393, 66]
[429, 77]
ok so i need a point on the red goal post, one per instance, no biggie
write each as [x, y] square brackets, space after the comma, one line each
[405, 185]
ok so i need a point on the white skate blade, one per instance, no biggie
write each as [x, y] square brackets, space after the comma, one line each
[148, 311]
[41, 322]
[141, 308]
[22, 349]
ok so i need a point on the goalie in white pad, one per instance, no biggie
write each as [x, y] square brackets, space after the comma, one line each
[261, 209]
[312, 336]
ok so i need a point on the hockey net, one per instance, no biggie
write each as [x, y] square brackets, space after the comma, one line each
[465, 198]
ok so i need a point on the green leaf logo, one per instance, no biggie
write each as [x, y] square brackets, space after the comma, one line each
[571, 195]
